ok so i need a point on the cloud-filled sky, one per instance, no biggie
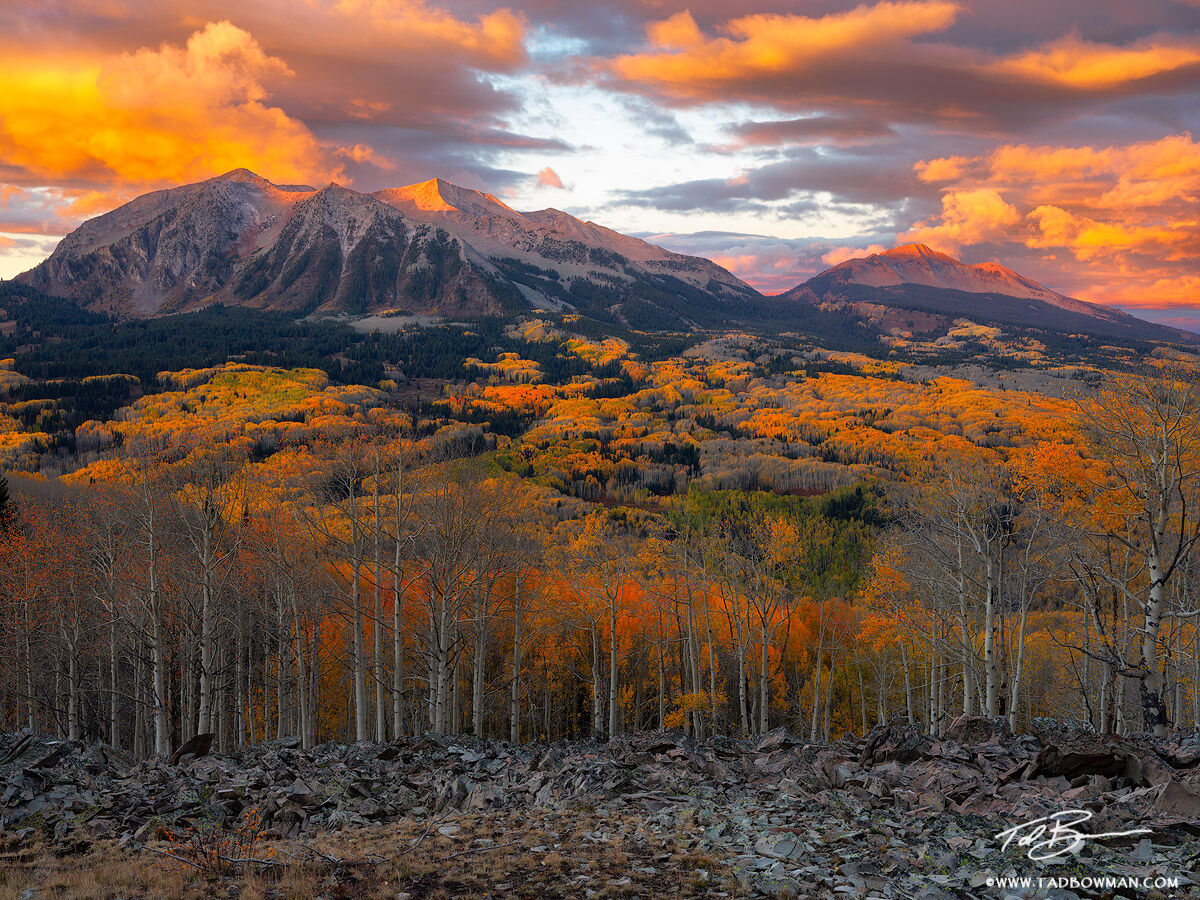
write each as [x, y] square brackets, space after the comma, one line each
[1060, 139]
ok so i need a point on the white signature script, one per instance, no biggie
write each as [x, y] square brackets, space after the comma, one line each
[1056, 835]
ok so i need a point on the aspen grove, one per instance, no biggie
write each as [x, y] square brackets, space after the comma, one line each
[368, 582]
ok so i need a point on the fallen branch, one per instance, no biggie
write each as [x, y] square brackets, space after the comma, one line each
[478, 850]
[312, 852]
[186, 862]
[225, 859]
[425, 834]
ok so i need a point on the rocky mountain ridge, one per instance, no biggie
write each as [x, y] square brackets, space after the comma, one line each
[916, 282]
[436, 247]
[430, 247]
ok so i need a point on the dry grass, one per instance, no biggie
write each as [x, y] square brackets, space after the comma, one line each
[526, 854]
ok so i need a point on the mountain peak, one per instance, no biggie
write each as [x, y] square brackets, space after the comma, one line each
[914, 251]
[439, 195]
[429, 196]
[921, 265]
[242, 176]
[245, 176]
[913, 267]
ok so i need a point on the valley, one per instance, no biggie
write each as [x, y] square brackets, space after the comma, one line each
[328, 469]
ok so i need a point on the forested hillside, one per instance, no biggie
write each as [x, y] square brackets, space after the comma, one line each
[518, 530]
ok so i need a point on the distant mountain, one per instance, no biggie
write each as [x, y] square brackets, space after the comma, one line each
[429, 247]
[933, 287]
[436, 247]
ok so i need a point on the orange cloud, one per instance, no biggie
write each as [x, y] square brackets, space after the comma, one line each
[84, 204]
[361, 153]
[878, 60]
[968, 217]
[173, 114]
[676, 33]
[945, 169]
[742, 264]
[1128, 212]
[358, 108]
[688, 64]
[841, 254]
[496, 40]
[549, 178]
[1076, 63]
[1091, 239]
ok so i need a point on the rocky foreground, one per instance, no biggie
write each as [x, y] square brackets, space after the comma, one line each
[897, 814]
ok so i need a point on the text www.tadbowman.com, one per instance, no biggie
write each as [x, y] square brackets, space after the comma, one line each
[1086, 882]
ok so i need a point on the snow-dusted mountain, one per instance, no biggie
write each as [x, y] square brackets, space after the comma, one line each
[552, 239]
[440, 248]
[916, 279]
[430, 247]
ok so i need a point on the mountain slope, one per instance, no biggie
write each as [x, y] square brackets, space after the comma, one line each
[345, 251]
[915, 279]
[552, 239]
[240, 239]
[430, 247]
[175, 244]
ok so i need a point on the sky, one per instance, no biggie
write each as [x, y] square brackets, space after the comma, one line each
[1061, 139]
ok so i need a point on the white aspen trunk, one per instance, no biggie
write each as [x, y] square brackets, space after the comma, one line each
[1020, 669]
[712, 666]
[479, 663]
[613, 707]
[456, 700]
[443, 714]
[662, 688]
[816, 697]
[397, 644]
[139, 709]
[743, 700]
[597, 702]
[30, 706]
[862, 693]
[1119, 717]
[239, 719]
[204, 723]
[187, 687]
[764, 681]
[114, 708]
[932, 698]
[1196, 679]
[941, 688]
[968, 669]
[514, 711]
[828, 699]
[1154, 715]
[251, 726]
[381, 705]
[72, 693]
[162, 736]
[908, 686]
[301, 690]
[694, 666]
[990, 666]
[314, 660]
[361, 698]
[1105, 681]
[281, 696]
